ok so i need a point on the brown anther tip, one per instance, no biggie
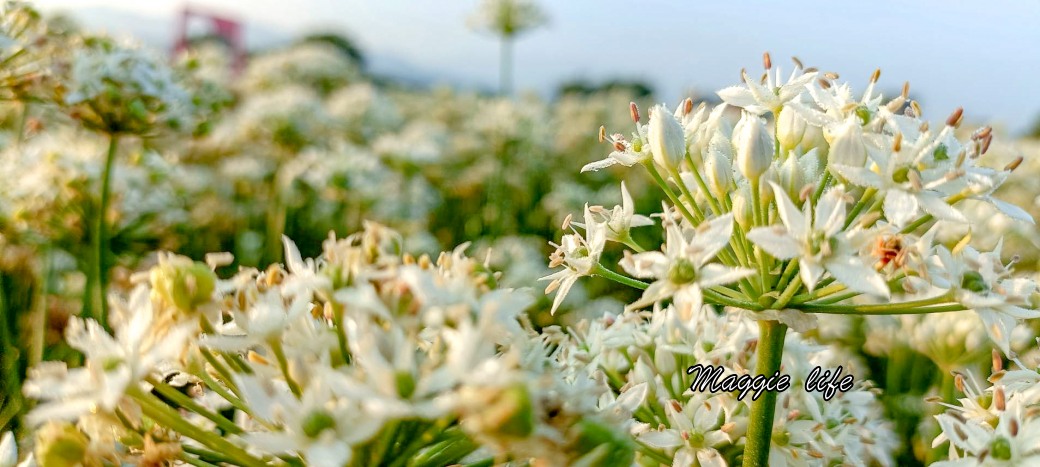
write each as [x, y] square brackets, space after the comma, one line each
[1013, 427]
[811, 69]
[767, 61]
[831, 75]
[984, 132]
[676, 405]
[998, 361]
[933, 399]
[958, 382]
[1014, 164]
[897, 144]
[633, 110]
[619, 146]
[602, 133]
[955, 117]
[825, 84]
[764, 78]
[916, 108]
[567, 221]
[874, 77]
[797, 63]
[906, 90]
[986, 142]
[999, 400]
[687, 106]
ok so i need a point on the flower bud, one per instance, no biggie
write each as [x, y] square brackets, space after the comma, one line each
[60, 444]
[848, 146]
[791, 177]
[182, 283]
[754, 146]
[790, 127]
[666, 137]
[717, 166]
[742, 212]
[813, 138]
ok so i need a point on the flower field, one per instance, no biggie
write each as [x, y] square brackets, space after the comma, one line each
[298, 263]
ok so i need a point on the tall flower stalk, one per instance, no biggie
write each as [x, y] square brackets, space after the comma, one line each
[507, 19]
[814, 201]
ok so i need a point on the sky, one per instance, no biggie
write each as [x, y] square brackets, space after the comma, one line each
[979, 55]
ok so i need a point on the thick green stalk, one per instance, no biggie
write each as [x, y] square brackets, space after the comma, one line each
[100, 303]
[760, 428]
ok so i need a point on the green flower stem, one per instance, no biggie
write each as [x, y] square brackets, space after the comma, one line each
[770, 351]
[601, 271]
[99, 306]
[868, 194]
[221, 369]
[939, 304]
[819, 188]
[789, 292]
[788, 272]
[716, 207]
[759, 220]
[188, 459]
[653, 453]
[283, 364]
[728, 292]
[631, 243]
[671, 194]
[169, 418]
[188, 403]
[819, 293]
[716, 298]
[685, 191]
[341, 332]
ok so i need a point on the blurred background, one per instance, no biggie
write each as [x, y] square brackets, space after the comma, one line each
[949, 50]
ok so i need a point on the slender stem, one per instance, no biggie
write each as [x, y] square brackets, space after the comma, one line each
[283, 364]
[671, 194]
[938, 304]
[868, 194]
[167, 417]
[716, 298]
[760, 428]
[789, 292]
[188, 403]
[100, 304]
[601, 271]
[505, 76]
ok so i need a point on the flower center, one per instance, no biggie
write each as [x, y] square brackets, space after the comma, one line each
[974, 282]
[316, 422]
[682, 272]
[820, 244]
[864, 114]
[1000, 448]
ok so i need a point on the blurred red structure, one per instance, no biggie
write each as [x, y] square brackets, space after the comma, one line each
[227, 29]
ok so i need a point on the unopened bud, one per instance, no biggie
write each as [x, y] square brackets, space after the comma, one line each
[847, 145]
[754, 146]
[666, 138]
[790, 127]
[717, 165]
[60, 444]
[182, 283]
